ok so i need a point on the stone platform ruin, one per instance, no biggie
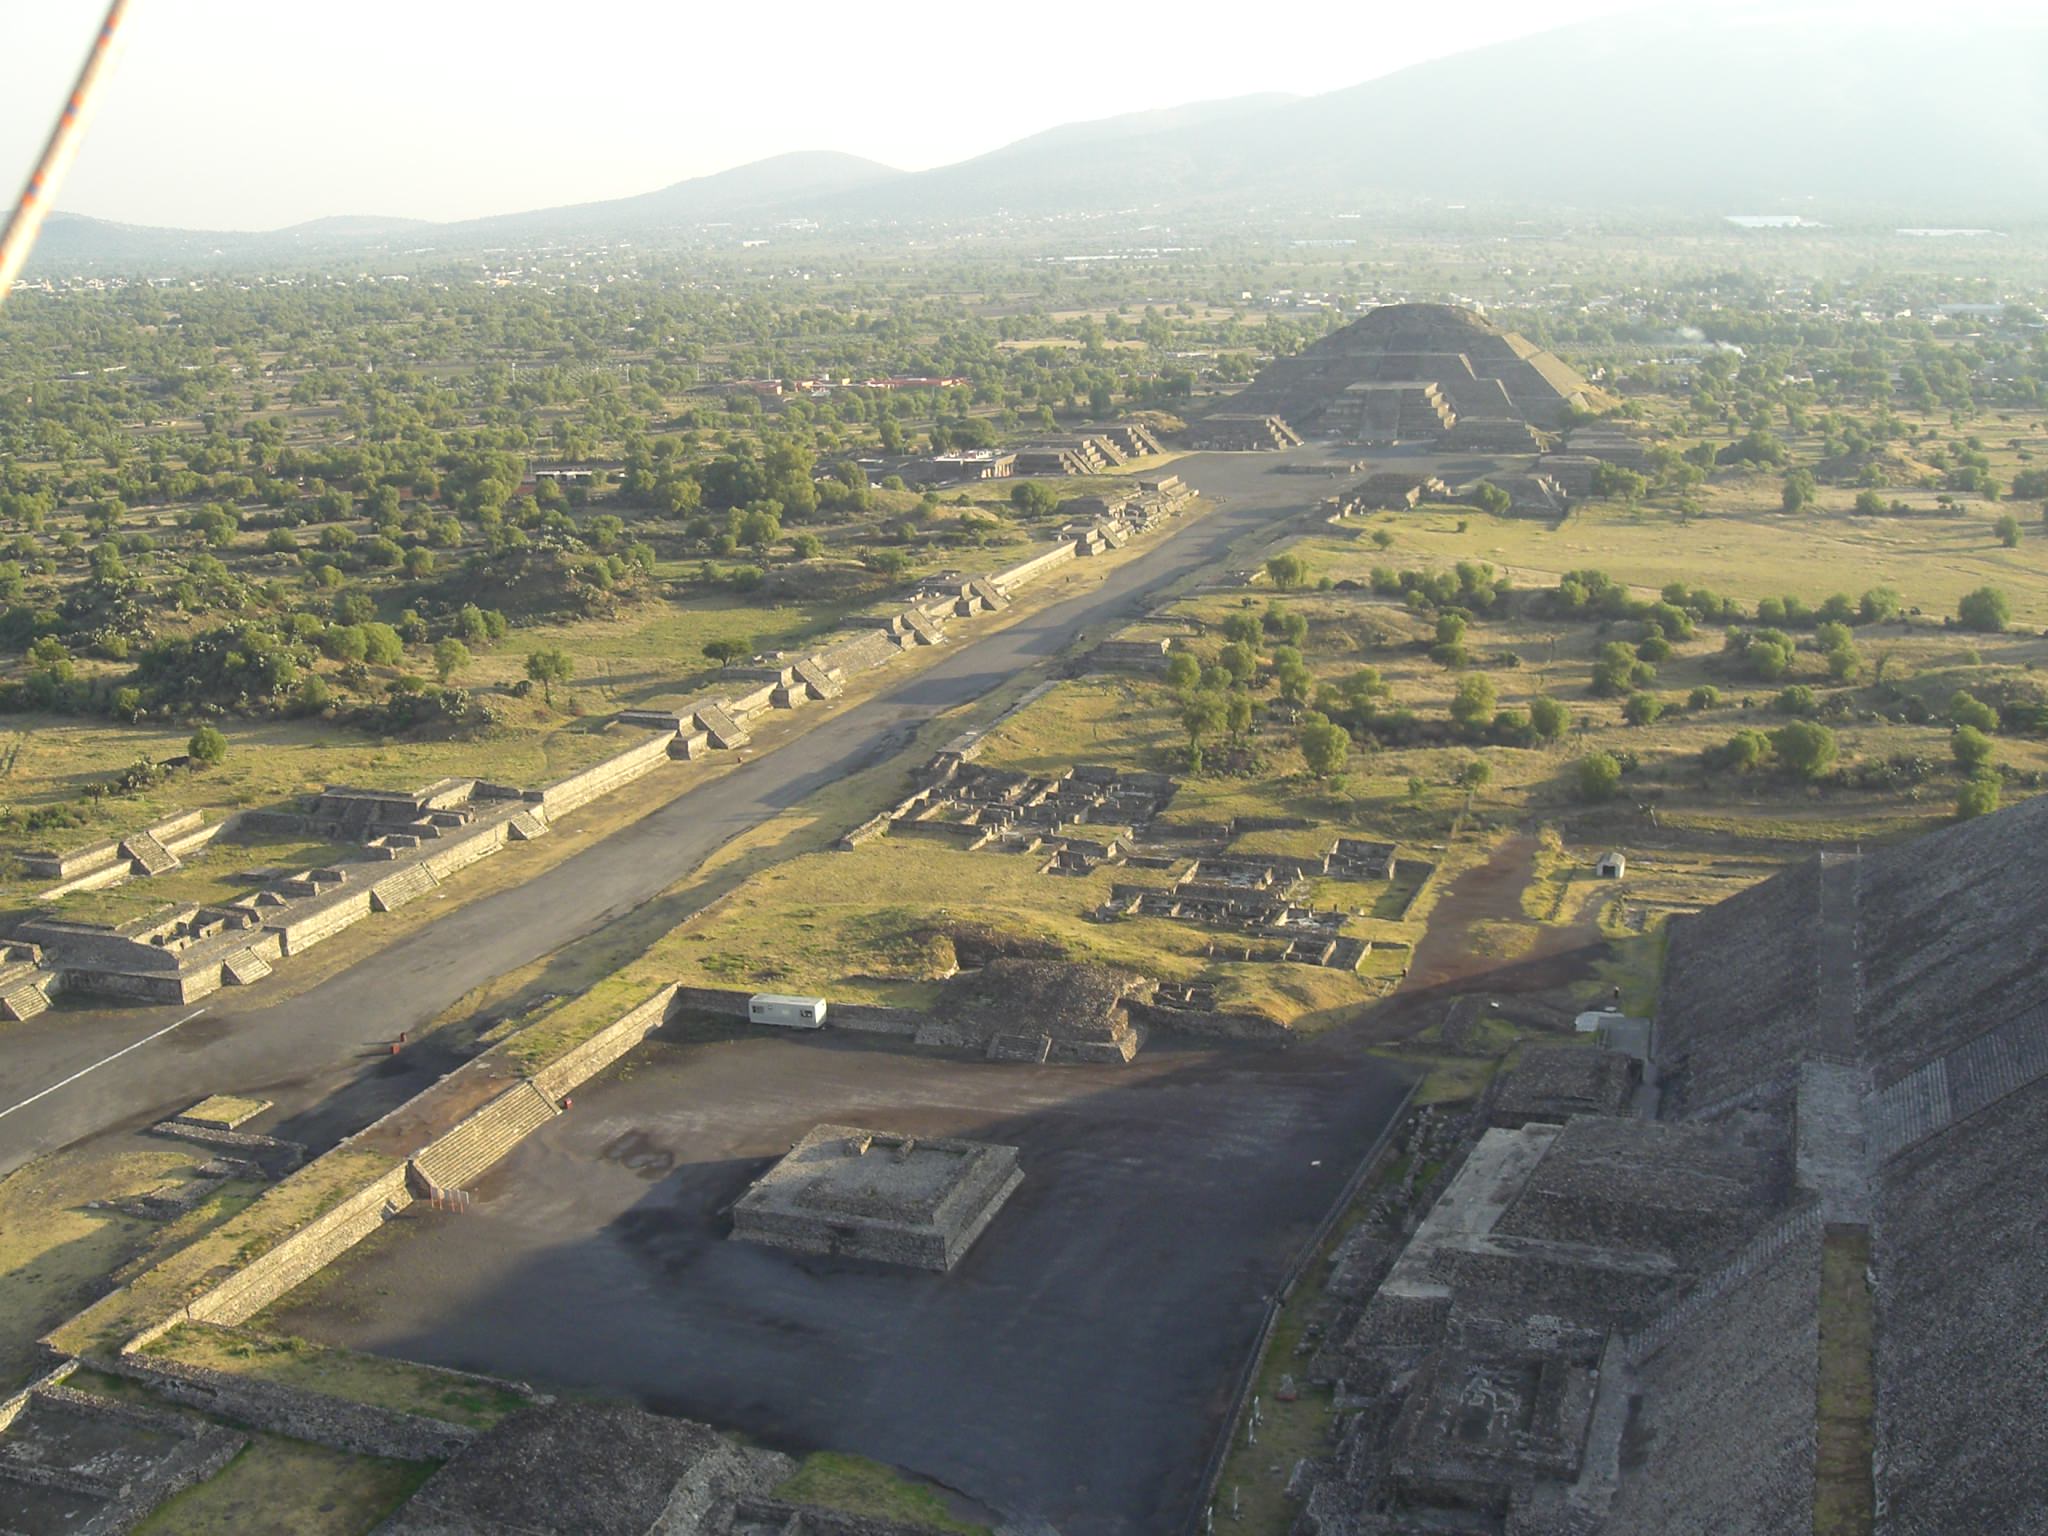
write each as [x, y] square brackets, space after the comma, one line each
[872, 1195]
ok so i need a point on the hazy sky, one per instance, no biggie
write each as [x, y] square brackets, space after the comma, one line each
[249, 114]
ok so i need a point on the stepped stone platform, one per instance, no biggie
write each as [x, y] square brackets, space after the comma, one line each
[872, 1195]
[1244, 434]
[1422, 373]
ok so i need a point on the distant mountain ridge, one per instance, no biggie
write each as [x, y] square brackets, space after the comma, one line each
[1790, 110]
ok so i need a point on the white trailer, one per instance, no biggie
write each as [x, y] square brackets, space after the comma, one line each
[789, 1012]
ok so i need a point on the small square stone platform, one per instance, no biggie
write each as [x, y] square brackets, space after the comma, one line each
[873, 1195]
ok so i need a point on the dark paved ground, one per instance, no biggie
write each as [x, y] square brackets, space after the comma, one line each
[1072, 1367]
[320, 1056]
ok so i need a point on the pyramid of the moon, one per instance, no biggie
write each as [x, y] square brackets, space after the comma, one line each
[1422, 373]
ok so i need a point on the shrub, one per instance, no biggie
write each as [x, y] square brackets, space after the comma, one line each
[1805, 749]
[1796, 700]
[207, 746]
[1978, 797]
[1972, 748]
[1289, 572]
[1617, 669]
[1324, 746]
[1642, 708]
[1599, 775]
[1987, 609]
[1744, 752]
[1473, 705]
[1703, 698]
[1965, 708]
[1548, 718]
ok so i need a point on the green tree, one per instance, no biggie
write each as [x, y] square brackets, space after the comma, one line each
[1289, 572]
[1237, 659]
[1978, 797]
[1617, 669]
[1642, 709]
[381, 645]
[1806, 749]
[1745, 752]
[1548, 718]
[727, 649]
[1243, 629]
[1474, 705]
[1987, 609]
[549, 667]
[2008, 530]
[1972, 749]
[450, 657]
[1324, 745]
[1491, 499]
[207, 746]
[1237, 713]
[1965, 708]
[1182, 671]
[1034, 499]
[1599, 776]
[1202, 714]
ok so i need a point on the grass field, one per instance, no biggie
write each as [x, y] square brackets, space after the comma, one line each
[56, 1250]
[340, 1373]
[288, 1485]
[1744, 548]
[862, 1487]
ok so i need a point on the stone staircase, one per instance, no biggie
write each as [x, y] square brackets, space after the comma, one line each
[394, 891]
[26, 998]
[725, 732]
[149, 856]
[461, 1157]
[1767, 1245]
[921, 627]
[1972, 1077]
[813, 675]
[526, 826]
[244, 968]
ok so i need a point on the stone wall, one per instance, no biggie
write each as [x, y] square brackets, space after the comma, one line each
[873, 1018]
[607, 1045]
[742, 705]
[361, 1428]
[580, 789]
[1030, 570]
[450, 853]
[305, 1253]
[731, 1001]
[307, 921]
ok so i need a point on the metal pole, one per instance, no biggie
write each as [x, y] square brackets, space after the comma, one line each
[26, 221]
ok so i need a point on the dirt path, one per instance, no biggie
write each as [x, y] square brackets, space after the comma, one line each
[1490, 891]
